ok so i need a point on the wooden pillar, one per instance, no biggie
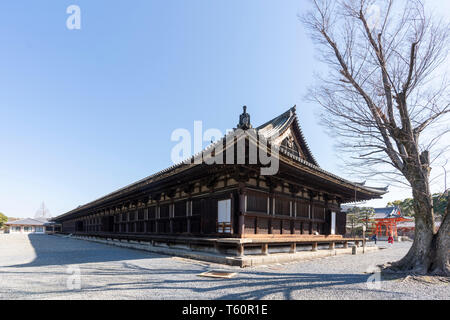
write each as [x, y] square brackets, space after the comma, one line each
[241, 214]
[293, 248]
[240, 250]
[171, 216]
[265, 249]
[156, 217]
[188, 215]
[314, 246]
[188, 224]
[216, 247]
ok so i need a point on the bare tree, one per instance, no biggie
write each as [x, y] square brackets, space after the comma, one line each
[385, 99]
[43, 212]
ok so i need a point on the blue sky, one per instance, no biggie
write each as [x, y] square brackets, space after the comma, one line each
[85, 112]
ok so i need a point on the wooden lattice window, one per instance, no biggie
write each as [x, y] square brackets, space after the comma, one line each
[302, 209]
[151, 213]
[180, 209]
[282, 207]
[196, 207]
[257, 202]
[164, 211]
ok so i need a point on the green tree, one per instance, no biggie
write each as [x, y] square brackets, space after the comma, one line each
[3, 220]
[366, 217]
[406, 206]
[440, 202]
[358, 217]
[353, 220]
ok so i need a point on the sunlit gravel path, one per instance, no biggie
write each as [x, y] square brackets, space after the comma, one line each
[46, 267]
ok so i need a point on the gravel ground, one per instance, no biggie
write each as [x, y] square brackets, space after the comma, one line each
[46, 267]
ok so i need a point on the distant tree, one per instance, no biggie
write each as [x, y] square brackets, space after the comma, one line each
[43, 212]
[353, 220]
[396, 203]
[406, 206]
[440, 202]
[366, 217]
[3, 220]
[358, 217]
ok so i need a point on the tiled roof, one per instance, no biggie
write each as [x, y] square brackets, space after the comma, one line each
[270, 128]
[279, 124]
[388, 212]
[28, 222]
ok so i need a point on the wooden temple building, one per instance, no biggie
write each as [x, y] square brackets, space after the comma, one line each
[194, 201]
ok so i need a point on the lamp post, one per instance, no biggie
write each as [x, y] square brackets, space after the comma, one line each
[364, 238]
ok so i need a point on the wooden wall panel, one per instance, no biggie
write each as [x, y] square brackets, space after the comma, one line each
[297, 227]
[282, 207]
[180, 209]
[341, 220]
[302, 209]
[276, 226]
[286, 227]
[306, 228]
[314, 228]
[141, 214]
[151, 227]
[179, 225]
[163, 226]
[319, 212]
[209, 216]
[140, 226]
[68, 226]
[195, 224]
[263, 225]
[257, 202]
[249, 225]
[152, 213]
[164, 211]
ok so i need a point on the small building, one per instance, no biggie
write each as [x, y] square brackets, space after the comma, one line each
[407, 228]
[27, 225]
[32, 225]
[387, 221]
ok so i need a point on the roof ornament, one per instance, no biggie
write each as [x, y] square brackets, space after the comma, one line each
[244, 120]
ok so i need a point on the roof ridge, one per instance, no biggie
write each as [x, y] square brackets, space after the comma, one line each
[293, 118]
[292, 109]
[304, 139]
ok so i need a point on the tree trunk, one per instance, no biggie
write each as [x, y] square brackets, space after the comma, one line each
[429, 253]
[441, 258]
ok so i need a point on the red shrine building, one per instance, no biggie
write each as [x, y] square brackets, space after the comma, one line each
[387, 221]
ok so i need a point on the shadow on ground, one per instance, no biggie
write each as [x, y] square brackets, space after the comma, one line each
[179, 279]
[56, 250]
